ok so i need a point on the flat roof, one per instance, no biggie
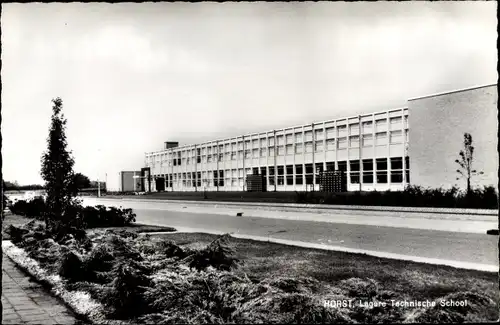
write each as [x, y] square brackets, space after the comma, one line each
[451, 92]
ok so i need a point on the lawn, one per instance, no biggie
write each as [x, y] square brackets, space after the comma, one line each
[201, 278]
[405, 278]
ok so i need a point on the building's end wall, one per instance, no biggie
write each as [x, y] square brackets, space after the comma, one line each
[127, 181]
[436, 132]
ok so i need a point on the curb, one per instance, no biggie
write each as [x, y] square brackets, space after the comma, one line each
[417, 259]
[484, 212]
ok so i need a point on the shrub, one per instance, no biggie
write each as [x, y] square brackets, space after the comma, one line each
[126, 299]
[16, 233]
[72, 267]
[217, 254]
[476, 302]
[100, 216]
[360, 288]
[34, 208]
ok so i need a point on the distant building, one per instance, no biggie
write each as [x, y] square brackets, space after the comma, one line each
[130, 181]
[373, 150]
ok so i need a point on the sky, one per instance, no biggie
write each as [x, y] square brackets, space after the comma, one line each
[132, 76]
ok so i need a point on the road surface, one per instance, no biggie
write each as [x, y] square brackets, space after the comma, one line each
[468, 247]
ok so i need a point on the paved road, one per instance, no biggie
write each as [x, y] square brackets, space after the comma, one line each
[458, 246]
[464, 247]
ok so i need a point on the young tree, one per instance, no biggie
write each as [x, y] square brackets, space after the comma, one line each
[465, 162]
[57, 170]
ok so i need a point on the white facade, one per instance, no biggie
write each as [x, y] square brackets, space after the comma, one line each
[371, 149]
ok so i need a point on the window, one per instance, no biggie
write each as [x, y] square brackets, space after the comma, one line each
[367, 164]
[354, 129]
[318, 146]
[367, 127]
[209, 158]
[289, 139]
[368, 177]
[308, 136]
[396, 123]
[281, 150]
[396, 176]
[299, 180]
[407, 136]
[354, 141]
[354, 165]
[407, 162]
[354, 177]
[289, 149]
[309, 168]
[263, 142]
[271, 171]
[396, 163]
[382, 177]
[255, 144]
[271, 180]
[342, 143]
[381, 164]
[289, 170]
[319, 168]
[271, 151]
[330, 133]
[330, 166]
[263, 152]
[298, 137]
[240, 145]
[233, 155]
[255, 153]
[342, 165]
[381, 125]
[407, 177]
[298, 148]
[330, 144]
[396, 137]
[247, 154]
[281, 180]
[319, 134]
[342, 130]
[271, 141]
[289, 179]
[381, 139]
[367, 140]
[247, 144]
[280, 140]
[281, 170]
[308, 147]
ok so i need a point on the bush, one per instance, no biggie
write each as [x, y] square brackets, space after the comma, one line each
[100, 216]
[412, 196]
[126, 299]
[16, 233]
[34, 208]
[476, 302]
[217, 254]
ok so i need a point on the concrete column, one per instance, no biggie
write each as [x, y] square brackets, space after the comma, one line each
[388, 150]
[360, 144]
[403, 136]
